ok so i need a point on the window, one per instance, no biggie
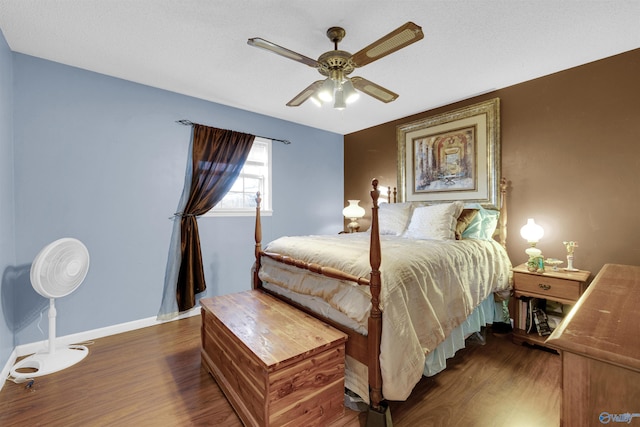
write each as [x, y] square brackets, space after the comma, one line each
[255, 176]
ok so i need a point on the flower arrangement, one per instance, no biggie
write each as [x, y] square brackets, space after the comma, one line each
[570, 246]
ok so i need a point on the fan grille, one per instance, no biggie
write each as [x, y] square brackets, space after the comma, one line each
[60, 268]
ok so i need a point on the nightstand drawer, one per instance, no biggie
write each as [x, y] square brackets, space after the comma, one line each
[547, 286]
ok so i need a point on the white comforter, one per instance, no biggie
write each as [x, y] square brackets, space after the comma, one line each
[428, 288]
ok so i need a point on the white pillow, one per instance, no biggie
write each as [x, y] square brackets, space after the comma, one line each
[393, 218]
[435, 222]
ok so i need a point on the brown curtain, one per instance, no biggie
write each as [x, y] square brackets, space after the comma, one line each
[218, 156]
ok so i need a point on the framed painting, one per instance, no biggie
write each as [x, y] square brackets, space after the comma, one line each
[452, 156]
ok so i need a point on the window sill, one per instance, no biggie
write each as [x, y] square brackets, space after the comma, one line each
[243, 212]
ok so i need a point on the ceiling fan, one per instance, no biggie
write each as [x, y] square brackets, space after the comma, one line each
[336, 65]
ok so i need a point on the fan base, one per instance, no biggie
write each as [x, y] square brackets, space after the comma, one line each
[40, 364]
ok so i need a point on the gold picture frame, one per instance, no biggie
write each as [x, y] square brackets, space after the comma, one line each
[452, 156]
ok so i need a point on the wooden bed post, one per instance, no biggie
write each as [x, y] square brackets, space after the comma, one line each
[395, 195]
[375, 317]
[503, 212]
[258, 239]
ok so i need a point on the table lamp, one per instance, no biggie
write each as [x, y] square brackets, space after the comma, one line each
[353, 212]
[532, 233]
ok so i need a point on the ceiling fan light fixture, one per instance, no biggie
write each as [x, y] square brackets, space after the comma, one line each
[316, 100]
[326, 91]
[340, 103]
[350, 93]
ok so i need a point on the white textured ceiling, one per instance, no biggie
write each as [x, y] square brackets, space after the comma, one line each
[199, 48]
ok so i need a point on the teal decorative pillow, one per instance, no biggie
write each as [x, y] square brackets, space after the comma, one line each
[489, 223]
[483, 225]
[473, 229]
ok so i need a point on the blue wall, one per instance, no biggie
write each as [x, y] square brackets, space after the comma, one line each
[102, 159]
[7, 239]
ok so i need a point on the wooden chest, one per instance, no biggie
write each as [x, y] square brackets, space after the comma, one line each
[277, 365]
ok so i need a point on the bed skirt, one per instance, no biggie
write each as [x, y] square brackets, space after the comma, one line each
[488, 312]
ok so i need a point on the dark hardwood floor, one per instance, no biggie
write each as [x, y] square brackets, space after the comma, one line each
[152, 377]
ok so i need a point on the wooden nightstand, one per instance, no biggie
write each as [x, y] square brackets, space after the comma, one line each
[561, 286]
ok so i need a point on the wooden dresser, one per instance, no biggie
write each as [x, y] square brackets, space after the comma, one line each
[276, 365]
[599, 342]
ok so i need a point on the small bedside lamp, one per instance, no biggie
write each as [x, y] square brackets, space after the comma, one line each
[353, 212]
[532, 233]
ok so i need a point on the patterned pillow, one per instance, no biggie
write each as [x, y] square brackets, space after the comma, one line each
[393, 218]
[464, 220]
[436, 222]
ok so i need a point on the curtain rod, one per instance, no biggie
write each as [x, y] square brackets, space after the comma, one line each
[190, 123]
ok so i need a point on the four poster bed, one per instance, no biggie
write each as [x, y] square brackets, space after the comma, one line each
[407, 292]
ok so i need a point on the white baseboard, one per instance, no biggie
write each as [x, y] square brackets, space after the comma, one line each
[26, 349]
[7, 367]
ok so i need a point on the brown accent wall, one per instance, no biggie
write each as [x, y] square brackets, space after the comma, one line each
[570, 151]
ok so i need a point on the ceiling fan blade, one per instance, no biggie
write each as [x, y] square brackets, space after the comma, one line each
[395, 40]
[305, 94]
[267, 45]
[374, 90]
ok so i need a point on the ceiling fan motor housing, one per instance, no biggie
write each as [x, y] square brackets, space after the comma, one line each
[335, 60]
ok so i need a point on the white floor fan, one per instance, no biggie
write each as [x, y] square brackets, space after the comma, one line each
[57, 270]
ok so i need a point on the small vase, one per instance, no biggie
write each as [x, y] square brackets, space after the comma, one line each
[570, 263]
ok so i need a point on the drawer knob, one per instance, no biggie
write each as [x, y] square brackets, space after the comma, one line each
[544, 286]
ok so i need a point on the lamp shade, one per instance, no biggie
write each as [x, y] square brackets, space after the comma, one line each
[316, 100]
[325, 93]
[353, 211]
[339, 102]
[350, 93]
[531, 231]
